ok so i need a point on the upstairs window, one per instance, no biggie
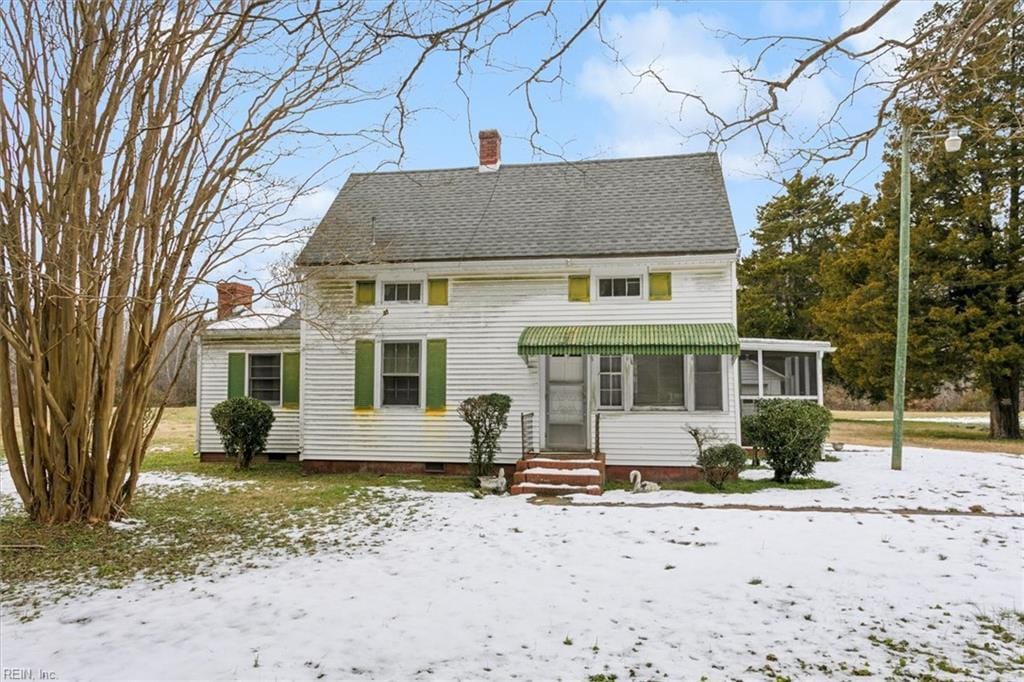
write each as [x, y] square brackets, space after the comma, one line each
[403, 292]
[611, 381]
[400, 373]
[265, 377]
[618, 287]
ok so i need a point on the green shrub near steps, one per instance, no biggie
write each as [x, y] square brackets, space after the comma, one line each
[487, 416]
[243, 424]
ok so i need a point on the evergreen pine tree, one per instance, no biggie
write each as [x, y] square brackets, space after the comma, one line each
[967, 261]
[779, 281]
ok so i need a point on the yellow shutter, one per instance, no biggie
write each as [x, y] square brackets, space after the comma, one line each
[366, 293]
[437, 292]
[660, 286]
[579, 288]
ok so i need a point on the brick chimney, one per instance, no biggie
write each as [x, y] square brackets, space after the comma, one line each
[490, 150]
[231, 296]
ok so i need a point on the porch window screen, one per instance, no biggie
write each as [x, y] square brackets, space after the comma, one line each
[659, 381]
[707, 380]
[265, 377]
[790, 373]
[401, 373]
[611, 381]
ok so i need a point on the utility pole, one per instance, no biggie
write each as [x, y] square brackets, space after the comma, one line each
[902, 305]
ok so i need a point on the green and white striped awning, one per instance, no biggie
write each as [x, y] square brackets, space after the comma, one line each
[631, 339]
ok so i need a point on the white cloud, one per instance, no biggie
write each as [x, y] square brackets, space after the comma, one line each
[690, 57]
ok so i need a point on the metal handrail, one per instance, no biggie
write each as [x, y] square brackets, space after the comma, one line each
[597, 435]
[526, 432]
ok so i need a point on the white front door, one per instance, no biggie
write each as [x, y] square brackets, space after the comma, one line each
[566, 402]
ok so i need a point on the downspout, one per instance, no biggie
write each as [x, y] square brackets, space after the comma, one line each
[199, 393]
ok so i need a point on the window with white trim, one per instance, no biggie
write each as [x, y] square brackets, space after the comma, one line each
[707, 382]
[400, 373]
[610, 372]
[618, 287]
[403, 292]
[265, 377]
[659, 381]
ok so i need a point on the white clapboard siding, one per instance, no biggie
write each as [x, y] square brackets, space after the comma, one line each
[482, 324]
[213, 388]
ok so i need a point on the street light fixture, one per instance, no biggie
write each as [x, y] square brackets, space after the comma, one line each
[953, 141]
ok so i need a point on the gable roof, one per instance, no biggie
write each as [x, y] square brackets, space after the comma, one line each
[616, 207]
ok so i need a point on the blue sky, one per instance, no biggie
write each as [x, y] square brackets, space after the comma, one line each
[598, 112]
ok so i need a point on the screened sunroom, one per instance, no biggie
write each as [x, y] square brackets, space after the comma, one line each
[780, 368]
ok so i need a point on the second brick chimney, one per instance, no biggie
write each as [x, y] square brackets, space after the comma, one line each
[231, 296]
[490, 150]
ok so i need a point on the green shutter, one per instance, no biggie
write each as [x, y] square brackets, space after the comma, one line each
[366, 293]
[290, 381]
[579, 288]
[364, 375]
[660, 286]
[437, 374]
[236, 375]
[437, 292]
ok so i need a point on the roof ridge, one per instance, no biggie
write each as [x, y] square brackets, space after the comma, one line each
[620, 159]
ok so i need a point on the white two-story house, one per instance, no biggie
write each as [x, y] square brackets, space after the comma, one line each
[599, 295]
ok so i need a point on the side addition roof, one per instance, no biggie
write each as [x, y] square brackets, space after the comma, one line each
[617, 207]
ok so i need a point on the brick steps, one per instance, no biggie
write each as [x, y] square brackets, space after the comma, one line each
[582, 477]
[556, 473]
[544, 462]
[555, 489]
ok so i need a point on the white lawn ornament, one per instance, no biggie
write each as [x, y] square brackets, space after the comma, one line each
[495, 484]
[641, 486]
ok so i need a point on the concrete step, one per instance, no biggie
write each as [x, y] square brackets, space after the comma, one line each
[550, 463]
[565, 454]
[545, 475]
[554, 489]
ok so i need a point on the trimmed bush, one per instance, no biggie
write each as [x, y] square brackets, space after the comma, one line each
[720, 463]
[487, 416]
[791, 434]
[244, 424]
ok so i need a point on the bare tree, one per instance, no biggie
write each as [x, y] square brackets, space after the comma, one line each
[140, 143]
[286, 283]
[880, 74]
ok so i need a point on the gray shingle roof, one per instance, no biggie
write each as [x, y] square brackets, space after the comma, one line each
[616, 207]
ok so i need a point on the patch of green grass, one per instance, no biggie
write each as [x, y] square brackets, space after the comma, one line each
[186, 531]
[741, 486]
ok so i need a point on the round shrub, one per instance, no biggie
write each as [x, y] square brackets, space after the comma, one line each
[720, 463]
[487, 416]
[791, 434]
[243, 424]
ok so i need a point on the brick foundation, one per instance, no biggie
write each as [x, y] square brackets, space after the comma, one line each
[617, 472]
[333, 466]
[221, 457]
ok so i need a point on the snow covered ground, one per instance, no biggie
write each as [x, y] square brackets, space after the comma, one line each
[931, 479]
[501, 589]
